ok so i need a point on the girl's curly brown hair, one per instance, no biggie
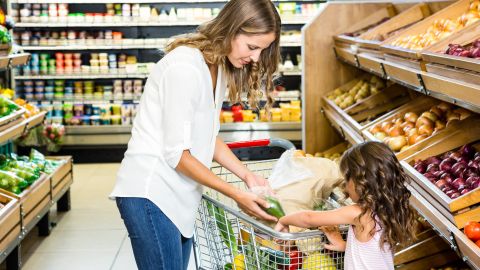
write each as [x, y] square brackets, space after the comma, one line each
[380, 183]
[214, 38]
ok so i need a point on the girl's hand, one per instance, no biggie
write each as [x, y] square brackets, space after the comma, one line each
[250, 204]
[334, 237]
[280, 227]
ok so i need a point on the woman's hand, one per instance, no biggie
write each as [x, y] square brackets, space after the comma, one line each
[336, 240]
[250, 204]
[253, 180]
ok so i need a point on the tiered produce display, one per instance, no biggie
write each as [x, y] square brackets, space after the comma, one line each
[19, 172]
[430, 51]
[28, 185]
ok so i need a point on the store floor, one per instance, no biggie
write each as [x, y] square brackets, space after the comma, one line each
[90, 236]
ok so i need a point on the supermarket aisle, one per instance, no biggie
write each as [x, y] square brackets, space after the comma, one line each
[90, 236]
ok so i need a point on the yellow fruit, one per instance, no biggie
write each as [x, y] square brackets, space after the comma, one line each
[239, 262]
[318, 261]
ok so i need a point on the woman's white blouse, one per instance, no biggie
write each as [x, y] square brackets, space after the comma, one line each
[177, 112]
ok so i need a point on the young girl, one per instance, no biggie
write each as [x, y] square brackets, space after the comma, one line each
[381, 216]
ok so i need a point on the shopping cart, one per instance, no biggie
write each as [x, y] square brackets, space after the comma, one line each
[226, 238]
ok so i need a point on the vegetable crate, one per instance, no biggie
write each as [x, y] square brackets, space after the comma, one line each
[226, 238]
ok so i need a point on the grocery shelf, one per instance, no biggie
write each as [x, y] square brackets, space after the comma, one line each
[129, 1]
[92, 47]
[459, 242]
[13, 60]
[119, 135]
[290, 21]
[35, 203]
[18, 127]
[82, 76]
[159, 45]
[86, 100]
[443, 88]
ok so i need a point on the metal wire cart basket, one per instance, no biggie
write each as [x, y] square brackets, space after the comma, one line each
[226, 238]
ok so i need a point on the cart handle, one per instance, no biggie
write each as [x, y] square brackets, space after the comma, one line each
[285, 144]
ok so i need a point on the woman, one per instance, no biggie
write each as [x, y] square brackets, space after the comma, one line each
[174, 136]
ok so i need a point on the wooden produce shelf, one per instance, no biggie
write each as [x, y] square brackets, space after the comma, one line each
[11, 119]
[417, 106]
[371, 64]
[457, 239]
[35, 120]
[361, 115]
[62, 177]
[403, 75]
[33, 200]
[436, 53]
[373, 18]
[466, 207]
[452, 12]
[466, 93]
[390, 27]
[343, 129]
[347, 55]
[10, 223]
[13, 60]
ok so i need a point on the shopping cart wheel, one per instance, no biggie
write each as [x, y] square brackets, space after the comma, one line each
[260, 149]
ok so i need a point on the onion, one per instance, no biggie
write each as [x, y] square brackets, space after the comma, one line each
[463, 113]
[444, 106]
[433, 168]
[459, 183]
[407, 126]
[445, 155]
[441, 183]
[470, 172]
[429, 175]
[455, 195]
[425, 130]
[433, 117]
[396, 143]
[473, 165]
[453, 117]
[467, 150]
[424, 121]
[439, 125]
[465, 191]
[436, 111]
[458, 169]
[395, 131]
[386, 126]
[375, 129]
[446, 164]
[456, 155]
[433, 160]
[471, 180]
[450, 192]
[446, 188]
[477, 155]
[476, 184]
[447, 177]
[380, 135]
[438, 173]
[411, 117]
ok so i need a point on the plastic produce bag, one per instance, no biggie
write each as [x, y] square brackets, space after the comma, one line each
[298, 191]
[287, 170]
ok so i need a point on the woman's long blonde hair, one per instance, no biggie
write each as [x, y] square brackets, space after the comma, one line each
[214, 39]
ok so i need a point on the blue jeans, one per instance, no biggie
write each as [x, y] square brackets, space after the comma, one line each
[157, 243]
